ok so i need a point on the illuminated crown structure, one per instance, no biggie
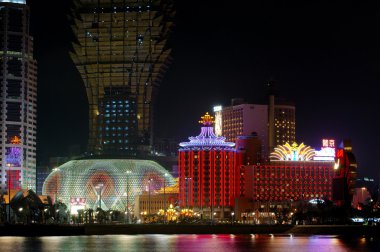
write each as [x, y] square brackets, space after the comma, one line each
[206, 172]
[294, 152]
[207, 137]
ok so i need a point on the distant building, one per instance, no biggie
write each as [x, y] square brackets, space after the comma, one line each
[206, 173]
[242, 119]
[18, 98]
[121, 54]
[153, 202]
[284, 124]
[166, 147]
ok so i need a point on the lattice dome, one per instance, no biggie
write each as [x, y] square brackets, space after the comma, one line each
[112, 182]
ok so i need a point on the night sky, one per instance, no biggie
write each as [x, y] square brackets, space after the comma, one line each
[322, 55]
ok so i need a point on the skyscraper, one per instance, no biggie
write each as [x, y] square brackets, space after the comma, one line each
[120, 52]
[18, 98]
[245, 119]
[207, 172]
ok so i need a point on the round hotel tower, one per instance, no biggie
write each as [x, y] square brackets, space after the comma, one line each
[206, 173]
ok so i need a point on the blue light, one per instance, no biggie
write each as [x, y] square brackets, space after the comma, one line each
[13, 1]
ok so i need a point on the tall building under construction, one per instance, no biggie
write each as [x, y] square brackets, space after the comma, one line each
[121, 53]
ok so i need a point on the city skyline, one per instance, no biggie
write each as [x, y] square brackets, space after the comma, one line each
[315, 52]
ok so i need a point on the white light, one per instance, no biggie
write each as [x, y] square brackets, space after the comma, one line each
[13, 1]
[336, 165]
[217, 108]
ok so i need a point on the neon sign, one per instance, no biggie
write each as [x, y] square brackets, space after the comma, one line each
[13, 156]
[328, 143]
[292, 152]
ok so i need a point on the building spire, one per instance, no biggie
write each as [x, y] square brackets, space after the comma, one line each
[207, 120]
[207, 137]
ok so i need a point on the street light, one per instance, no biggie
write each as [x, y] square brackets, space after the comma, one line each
[232, 217]
[100, 187]
[165, 198]
[149, 182]
[128, 172]
[187, 191]
[56, 186]
[9, 191]
[362, 198]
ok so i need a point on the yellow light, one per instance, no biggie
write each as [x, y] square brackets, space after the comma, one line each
[336, 165]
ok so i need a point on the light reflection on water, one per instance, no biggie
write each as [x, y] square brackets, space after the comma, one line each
[202, 243]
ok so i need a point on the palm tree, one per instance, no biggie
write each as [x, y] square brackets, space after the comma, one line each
[27, 206]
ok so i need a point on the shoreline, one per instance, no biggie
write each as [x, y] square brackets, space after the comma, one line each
[33, 230]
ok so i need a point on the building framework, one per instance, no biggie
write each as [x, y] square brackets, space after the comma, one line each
[120, 52]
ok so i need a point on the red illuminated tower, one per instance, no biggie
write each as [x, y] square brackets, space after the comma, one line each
[345, 175]
[206, 173]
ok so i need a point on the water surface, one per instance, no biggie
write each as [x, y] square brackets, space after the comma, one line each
[201, 243]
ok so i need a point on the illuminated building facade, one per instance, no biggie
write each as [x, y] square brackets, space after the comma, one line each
[18, 98]
[245, 119]
[293, 174]
[106, 183]
[284, 124]
[121, 55]
[206, 172]
[156, 201]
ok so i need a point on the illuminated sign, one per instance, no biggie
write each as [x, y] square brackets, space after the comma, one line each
[339, 153]
[217, 108]
[294, 152]
[218, 122]
[76, 204]
[13, 156]
[325, 154]
[328, 143]
[78, 201]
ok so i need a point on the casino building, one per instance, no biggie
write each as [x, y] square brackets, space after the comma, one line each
[292, 174]
[206, 173]
[297, 174]
[105, 183]
[121, 54]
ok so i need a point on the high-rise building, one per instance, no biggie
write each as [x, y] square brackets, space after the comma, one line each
[206, 173]
[18, 98]
[254, 119]
[284, 124]
[120, 52]
[244, 120]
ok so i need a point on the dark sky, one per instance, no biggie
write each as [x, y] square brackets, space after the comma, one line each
[323, 55]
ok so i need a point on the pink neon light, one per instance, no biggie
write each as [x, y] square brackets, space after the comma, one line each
[207, 138]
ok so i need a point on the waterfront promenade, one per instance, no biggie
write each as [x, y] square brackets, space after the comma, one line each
[108, 229]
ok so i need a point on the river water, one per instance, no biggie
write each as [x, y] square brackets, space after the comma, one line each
[182, 243]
